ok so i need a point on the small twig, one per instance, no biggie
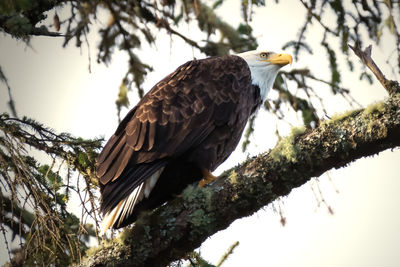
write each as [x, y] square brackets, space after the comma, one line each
[3, 230]
[227, 254]
[365, 56]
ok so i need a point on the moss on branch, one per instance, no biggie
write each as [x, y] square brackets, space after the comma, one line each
[172, 231]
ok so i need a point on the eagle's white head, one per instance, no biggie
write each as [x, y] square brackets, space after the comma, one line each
[264, 66]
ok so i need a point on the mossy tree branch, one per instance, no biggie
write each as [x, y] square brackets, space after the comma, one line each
[181, 225]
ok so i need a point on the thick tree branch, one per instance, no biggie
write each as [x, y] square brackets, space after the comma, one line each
[181, 225]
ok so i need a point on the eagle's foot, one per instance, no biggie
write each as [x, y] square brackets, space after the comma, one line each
[208, 177]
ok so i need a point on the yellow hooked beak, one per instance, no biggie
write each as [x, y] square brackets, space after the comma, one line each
[280, 59]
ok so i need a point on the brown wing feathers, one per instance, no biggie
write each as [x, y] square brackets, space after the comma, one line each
[177, 115]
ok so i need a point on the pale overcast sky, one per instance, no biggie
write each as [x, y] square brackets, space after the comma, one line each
[53, 86]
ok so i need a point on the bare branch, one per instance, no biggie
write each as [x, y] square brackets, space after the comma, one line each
[366, 58]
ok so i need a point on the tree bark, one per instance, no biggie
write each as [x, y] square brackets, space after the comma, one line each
[173, 230]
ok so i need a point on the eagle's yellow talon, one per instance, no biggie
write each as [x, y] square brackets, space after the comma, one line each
[208, 177]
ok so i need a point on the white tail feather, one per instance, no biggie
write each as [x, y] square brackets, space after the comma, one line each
[131, 200]
[109, 219]
[125, 207]
[151, 182]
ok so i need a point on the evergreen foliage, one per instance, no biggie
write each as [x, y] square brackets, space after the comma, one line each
[34, 196]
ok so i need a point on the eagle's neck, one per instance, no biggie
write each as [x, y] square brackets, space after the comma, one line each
[263, 78]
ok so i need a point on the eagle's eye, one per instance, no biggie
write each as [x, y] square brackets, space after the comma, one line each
[264, 55]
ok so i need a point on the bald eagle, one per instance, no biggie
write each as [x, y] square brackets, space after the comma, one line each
[181, 131]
